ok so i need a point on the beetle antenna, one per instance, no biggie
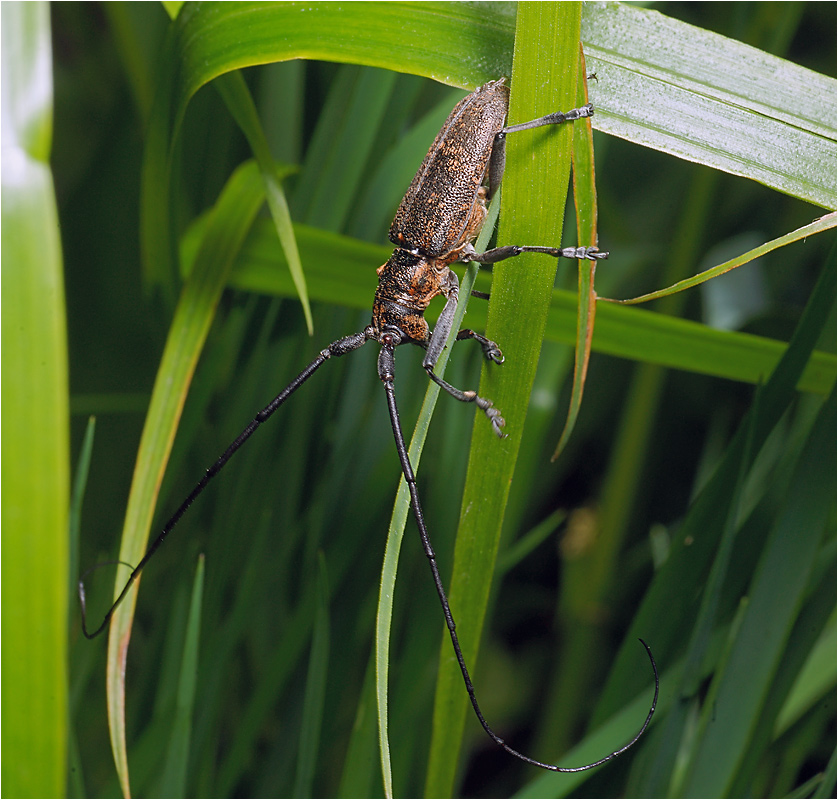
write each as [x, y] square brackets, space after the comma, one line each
[387, 378]
[338, 348]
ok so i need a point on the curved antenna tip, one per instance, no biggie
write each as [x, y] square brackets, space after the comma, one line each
[83, 596]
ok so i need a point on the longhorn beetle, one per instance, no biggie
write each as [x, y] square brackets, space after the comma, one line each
[435, 224]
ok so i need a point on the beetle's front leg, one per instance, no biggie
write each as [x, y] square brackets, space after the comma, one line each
[497, 161]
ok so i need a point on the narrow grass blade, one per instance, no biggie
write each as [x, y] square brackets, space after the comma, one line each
[36, 468]
[815, 679]
[529, 541]
[76, 502]
[667, 765]
[361, 776]
[825, 223]
[683, 575]
[776, 596]
[827, 785]
[371, 214]
[318, 669]
[342, 143]
[584, 198]
[173, 781]
[608, 736]
[237, 97]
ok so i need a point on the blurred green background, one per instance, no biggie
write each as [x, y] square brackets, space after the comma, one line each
[321, 477]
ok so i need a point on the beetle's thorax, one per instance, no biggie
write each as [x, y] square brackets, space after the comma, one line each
[406, 285]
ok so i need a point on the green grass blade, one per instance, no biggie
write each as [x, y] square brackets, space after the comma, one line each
[341, 145]
[668, 764]
[698, 348]
[827, 786]
[237, 97]
[584, 199]
[291, 652]
[232, 217]
[36, 471]
[775, 597]
[395, 35]
[543, 79]
[683, 575]
[173, 781]
[76, 502]
[825, 223]
[337, 269]
[315, 690]
[360, 777]
[529, 541]
[384, 190]
[607, 737]
[815, 679]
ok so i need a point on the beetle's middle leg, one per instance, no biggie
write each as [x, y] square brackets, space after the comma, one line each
[512, 250]
[491, 351]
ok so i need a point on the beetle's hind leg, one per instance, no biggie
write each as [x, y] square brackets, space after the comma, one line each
[469, 396]
[491, 352]
[433, 348]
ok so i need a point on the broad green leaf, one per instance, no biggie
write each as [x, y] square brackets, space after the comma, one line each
[36, 472]
[709, 99]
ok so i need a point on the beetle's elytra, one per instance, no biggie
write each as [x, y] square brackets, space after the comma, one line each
[443, 206]
[435, 224]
